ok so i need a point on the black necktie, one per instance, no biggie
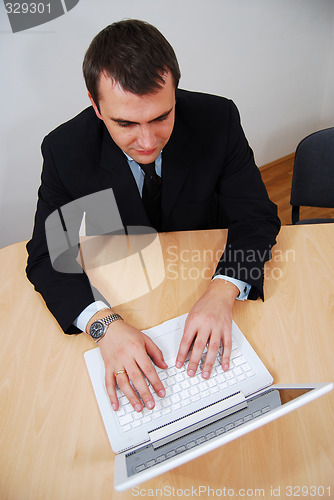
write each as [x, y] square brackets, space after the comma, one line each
[151, 194]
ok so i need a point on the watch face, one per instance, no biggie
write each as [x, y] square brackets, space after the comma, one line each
[96, 330]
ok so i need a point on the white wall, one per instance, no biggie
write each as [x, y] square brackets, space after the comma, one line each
[274, 58]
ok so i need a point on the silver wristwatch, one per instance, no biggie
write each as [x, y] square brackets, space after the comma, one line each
[98, 329]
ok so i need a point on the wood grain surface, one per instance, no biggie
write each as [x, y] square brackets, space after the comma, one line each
[52, 440]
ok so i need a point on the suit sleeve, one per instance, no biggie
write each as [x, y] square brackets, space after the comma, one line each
[251, 217]
[68, 293]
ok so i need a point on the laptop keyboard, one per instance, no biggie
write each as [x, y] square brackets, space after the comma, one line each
[182, 390]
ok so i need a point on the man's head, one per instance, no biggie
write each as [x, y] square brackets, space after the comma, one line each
[131, 74]
[132, 53]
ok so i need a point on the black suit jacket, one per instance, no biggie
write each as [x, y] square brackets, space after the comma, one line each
[209, 180]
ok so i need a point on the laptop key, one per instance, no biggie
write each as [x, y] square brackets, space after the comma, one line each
[126, 419]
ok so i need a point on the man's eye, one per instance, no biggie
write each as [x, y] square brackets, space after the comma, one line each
[123, 124]
[162, 118]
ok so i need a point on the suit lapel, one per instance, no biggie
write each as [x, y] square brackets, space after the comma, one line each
[177, 158]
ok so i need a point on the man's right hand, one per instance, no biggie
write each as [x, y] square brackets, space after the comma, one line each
[123, 347]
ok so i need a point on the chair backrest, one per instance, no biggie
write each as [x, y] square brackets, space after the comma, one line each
[313, 171]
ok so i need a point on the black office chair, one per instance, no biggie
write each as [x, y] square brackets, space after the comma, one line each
[313, 175]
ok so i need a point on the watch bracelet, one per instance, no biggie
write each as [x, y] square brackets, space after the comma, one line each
[107, 320]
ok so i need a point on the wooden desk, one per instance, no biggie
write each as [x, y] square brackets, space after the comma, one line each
[52, 440]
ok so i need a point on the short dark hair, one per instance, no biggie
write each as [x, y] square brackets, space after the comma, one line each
[133, 53]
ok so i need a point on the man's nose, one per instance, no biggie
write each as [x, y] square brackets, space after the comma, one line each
[146, 137]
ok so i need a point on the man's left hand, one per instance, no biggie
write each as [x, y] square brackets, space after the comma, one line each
[209, 322]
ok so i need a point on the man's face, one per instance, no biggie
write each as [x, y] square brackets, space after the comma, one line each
[140, 125]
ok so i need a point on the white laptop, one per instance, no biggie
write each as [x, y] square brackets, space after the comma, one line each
[196, 415]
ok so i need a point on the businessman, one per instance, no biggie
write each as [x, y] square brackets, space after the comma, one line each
[175, 160]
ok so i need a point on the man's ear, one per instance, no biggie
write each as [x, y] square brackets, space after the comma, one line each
[96, 109]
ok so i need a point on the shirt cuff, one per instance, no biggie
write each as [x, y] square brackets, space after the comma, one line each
[85, 316]
[244, 288]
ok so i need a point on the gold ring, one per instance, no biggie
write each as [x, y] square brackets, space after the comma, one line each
[119, 372]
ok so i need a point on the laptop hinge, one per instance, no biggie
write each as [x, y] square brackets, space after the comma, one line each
[196, 420]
